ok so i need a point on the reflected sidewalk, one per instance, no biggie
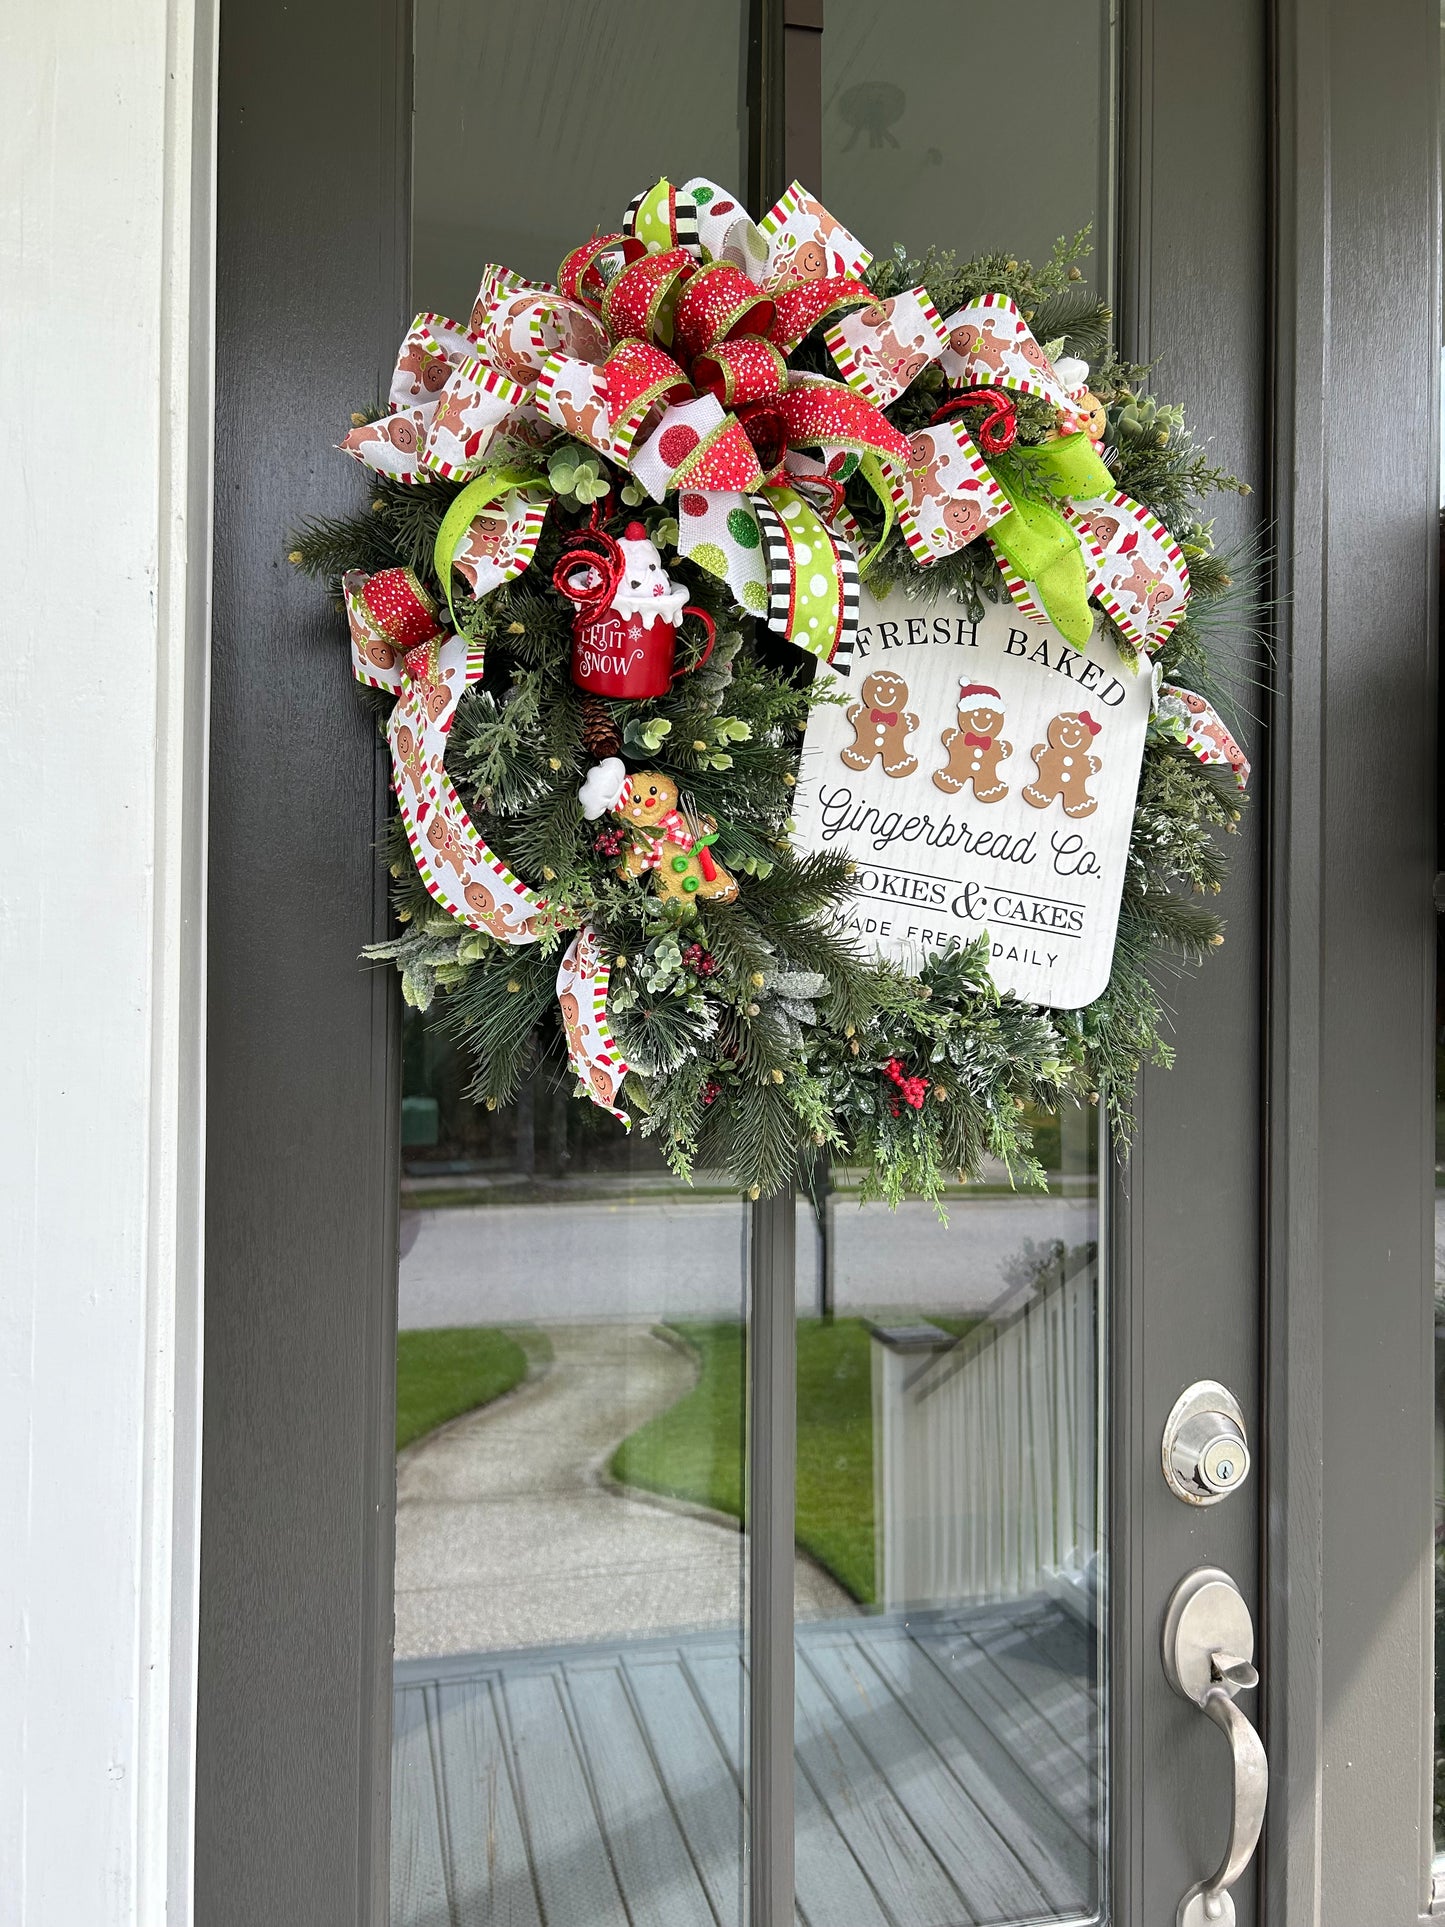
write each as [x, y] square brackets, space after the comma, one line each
[509, 1533]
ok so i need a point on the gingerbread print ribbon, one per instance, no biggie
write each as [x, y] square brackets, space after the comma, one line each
[398, 644]
[663, 346]
[582, 979]
[1195, 723]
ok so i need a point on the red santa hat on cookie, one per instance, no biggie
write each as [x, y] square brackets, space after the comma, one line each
[967, 690]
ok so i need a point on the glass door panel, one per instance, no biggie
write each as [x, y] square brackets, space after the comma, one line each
[915, 151]
[951, 1616]
[570, 1721]
[570, 1570]
[950, 1646]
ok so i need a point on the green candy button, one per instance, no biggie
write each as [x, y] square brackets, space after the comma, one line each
[679, 863]
[688, 883]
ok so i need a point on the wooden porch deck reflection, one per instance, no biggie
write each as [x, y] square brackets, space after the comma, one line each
[948, 1775]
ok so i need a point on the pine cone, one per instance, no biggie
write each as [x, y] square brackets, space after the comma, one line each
[599, 732]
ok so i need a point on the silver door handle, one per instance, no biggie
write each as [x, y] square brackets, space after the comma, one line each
[1208, 1648]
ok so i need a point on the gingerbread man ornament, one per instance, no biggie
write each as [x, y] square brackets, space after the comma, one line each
[975, 748]
[663, 842]
[1064, 765]
[881, 726]
[676, 848]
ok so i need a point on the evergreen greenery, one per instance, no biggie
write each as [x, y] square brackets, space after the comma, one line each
[778, 1050]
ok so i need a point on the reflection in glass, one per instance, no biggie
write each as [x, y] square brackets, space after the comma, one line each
[913, 153]
[950, 1729]
[535, 125]
[569, 1571]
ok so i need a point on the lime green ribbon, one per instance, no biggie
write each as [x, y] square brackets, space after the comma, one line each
[871, 469]
[1041, 545]
[652, 222]
[468, 505]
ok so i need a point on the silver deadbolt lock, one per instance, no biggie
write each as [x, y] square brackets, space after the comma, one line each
[1206, 1455]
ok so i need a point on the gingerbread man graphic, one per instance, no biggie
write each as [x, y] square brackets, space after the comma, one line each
[447, 840]
[428, 371]
[683, 864]
[1099, 527]
[881, 726]
[963, 519]
[410, 759]
[400, 431]
[1064, 765]
[488, 531]
[981, 344]
[489, 913]
[572, 1025]
[891, 358]
[975, 748]
[802, 261]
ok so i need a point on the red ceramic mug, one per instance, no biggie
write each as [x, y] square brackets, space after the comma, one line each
[615, 655]
[631, 657]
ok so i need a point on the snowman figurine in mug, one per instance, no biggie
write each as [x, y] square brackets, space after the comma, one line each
[645, 592]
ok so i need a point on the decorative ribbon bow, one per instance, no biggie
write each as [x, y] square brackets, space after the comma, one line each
[398, 644]
[664, 346]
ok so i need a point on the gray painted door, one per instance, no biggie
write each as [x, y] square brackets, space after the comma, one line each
[1246, 153]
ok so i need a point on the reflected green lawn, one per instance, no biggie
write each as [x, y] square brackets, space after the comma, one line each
[693, 1450]
[441, 1374]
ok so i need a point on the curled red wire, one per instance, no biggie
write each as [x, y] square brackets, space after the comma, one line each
[998, 428]
[589, 568]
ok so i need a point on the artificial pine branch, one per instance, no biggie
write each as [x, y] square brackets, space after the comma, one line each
[777, 1049]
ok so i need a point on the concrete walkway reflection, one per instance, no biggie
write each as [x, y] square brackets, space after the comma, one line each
[509, 1534]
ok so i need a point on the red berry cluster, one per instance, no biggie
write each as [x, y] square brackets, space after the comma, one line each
[609, 842]
[711, 1091]
[912, 1090]
[701, 962]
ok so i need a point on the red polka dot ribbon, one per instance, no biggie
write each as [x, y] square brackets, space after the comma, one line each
[665, 346]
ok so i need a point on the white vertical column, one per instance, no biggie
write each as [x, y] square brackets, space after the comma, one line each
[106, 152]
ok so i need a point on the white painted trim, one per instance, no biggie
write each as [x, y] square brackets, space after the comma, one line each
[106, 358]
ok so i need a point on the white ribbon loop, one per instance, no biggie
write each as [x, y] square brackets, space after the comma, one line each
[582, 981]
[948, 498]
[805, 243]
[990, 345]
[883, 349]
[1139, 573]
[1190, 720]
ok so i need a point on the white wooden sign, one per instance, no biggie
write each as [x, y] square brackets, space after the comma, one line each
[983, 777]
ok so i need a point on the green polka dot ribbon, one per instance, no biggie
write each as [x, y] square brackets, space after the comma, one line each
[812, 577]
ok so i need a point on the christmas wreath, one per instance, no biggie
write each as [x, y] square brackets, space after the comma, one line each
[619, 525]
